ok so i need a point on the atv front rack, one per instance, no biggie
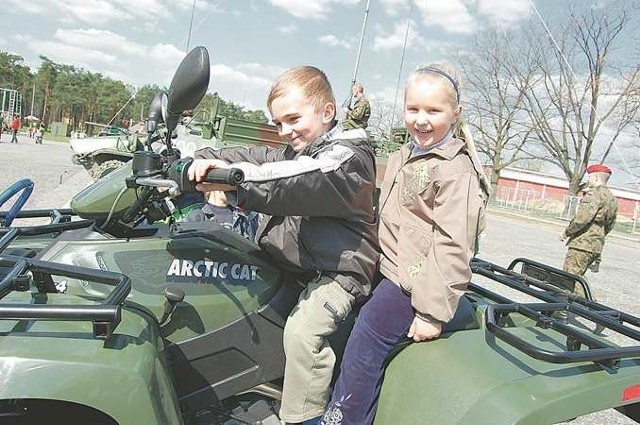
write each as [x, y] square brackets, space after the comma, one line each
[60, 222]
[25, 273]
[558, 305]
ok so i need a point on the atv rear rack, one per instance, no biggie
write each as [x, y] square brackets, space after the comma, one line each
[558, 304]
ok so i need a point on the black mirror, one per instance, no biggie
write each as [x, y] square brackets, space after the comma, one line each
[189, 85]
[157, 112]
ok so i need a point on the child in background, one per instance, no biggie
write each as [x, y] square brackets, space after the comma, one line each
[432, 208]
[240, 221]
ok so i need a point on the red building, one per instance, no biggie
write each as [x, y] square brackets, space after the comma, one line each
[532, 190]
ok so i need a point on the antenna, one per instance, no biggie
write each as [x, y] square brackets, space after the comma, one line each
[364, 26]
[193, 9]
[404, 48]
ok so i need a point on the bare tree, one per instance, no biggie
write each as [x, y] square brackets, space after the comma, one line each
[578, 89]
[495, 103]
[380, 121]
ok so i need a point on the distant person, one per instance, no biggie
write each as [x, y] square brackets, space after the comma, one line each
[38, 135]
[594, 219]
[15, 126]
[358, 110]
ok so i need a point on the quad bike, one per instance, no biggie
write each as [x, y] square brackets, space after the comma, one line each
[110, 314]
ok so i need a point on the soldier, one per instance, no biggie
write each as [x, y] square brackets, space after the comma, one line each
[358, 111]
[594, 219]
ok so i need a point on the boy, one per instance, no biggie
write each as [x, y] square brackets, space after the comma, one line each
[317, 194]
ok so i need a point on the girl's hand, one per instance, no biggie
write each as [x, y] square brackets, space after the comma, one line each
[421, 330]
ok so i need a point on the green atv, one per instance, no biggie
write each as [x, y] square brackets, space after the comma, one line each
[114, 314]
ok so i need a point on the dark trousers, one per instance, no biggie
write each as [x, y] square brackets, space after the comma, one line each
[383, 322]
[14, 137]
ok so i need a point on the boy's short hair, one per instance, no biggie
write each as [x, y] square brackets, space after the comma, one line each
[313, 83]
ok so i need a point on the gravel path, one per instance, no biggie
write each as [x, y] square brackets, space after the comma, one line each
[48, 165]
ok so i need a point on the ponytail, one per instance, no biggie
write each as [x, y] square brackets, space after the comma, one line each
[461, 130]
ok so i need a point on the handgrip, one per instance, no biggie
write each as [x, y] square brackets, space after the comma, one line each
[230, 176]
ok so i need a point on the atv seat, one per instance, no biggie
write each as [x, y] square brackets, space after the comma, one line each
[464, 319]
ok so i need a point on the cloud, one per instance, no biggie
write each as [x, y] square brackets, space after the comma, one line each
[288, 29]
[505, 13]
[385, 41]
[224, 74]
[311, 9]
[100, 13]
[452, 16]
[110, 54]
[99, 40]
[333, 41]
[245, 84]
[260, 69]
[394, 7]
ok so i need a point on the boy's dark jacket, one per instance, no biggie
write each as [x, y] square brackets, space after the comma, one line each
[319, 204]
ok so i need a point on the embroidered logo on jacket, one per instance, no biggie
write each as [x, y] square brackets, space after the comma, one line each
[415, 270]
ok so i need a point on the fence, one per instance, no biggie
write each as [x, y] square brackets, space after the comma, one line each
[517, 199]
[532, 203]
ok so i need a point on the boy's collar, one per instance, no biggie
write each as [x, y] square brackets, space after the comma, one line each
[327, 137]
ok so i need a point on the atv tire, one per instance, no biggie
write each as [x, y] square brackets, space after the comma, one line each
[101, 170]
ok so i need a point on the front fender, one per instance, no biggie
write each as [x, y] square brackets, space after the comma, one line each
[125, 377]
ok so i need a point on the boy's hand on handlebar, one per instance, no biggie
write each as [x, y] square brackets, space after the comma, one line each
[421, 329]
[200, 168]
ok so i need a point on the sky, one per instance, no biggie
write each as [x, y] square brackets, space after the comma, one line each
[251, 42]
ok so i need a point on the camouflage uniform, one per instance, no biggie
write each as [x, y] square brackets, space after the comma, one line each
[594, 219]
[358, 115]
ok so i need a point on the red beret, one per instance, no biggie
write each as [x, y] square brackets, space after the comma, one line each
[598, 168]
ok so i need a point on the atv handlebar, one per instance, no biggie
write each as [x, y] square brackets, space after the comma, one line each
[151, 170]
[230, 176]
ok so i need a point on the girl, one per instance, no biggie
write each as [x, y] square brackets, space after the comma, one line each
[431, 211]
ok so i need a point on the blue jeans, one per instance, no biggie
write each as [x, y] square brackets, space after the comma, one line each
[383, 322]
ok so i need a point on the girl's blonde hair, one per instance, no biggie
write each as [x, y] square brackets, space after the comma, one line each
[313, 83]
[449, 77]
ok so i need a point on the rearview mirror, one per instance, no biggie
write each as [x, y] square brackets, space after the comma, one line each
[189, 85]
